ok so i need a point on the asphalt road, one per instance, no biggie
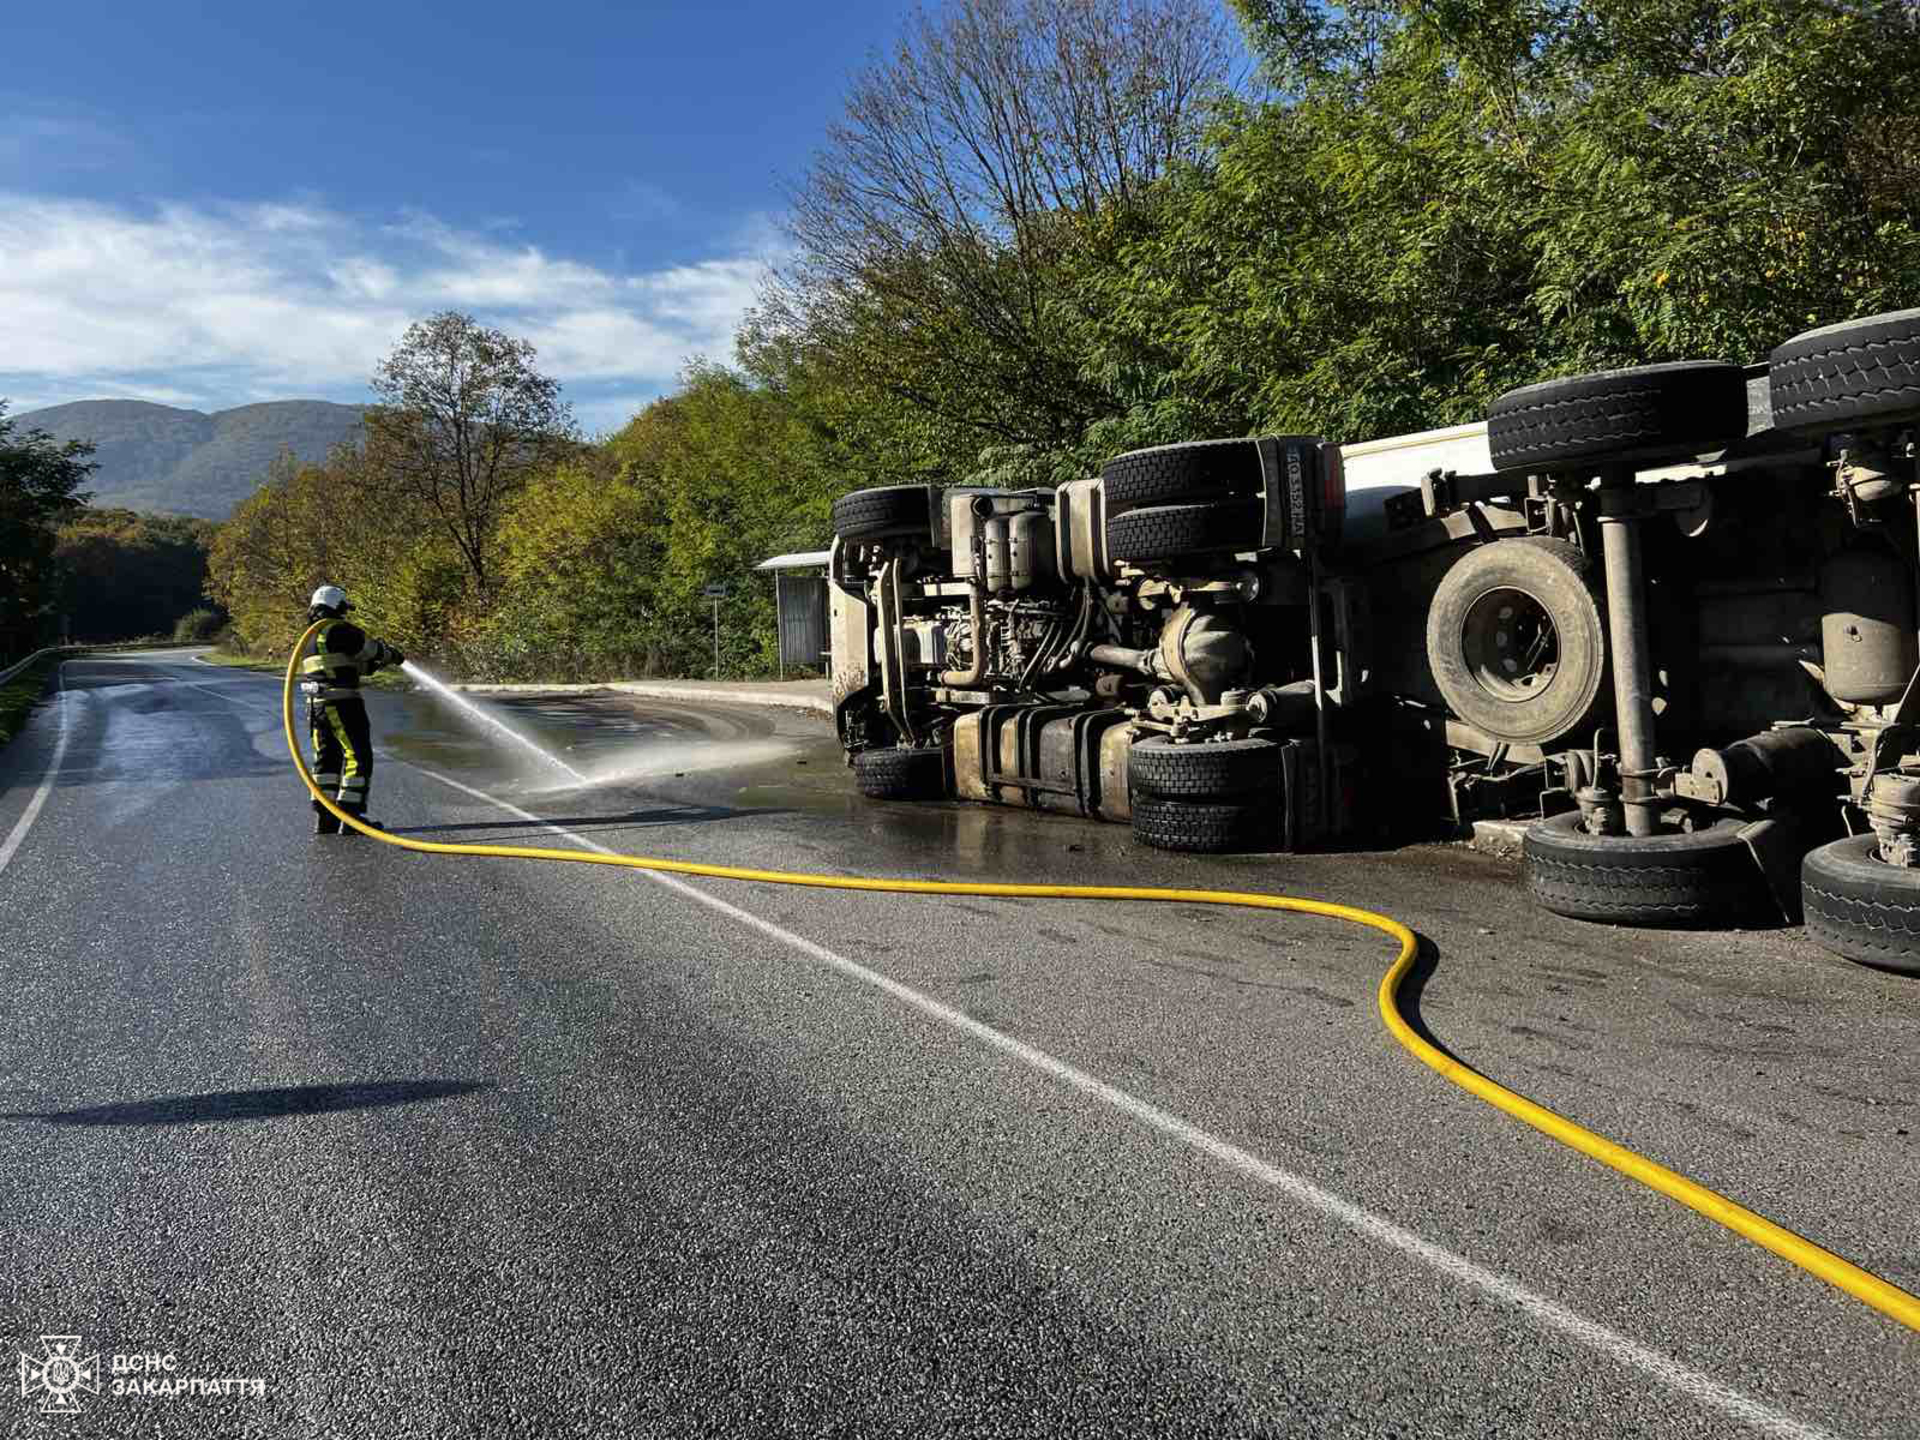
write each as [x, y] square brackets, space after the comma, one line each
[432, 1146]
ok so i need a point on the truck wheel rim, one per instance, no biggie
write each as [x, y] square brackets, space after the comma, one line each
[1510, 645]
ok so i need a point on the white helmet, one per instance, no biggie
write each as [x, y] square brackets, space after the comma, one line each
[329, 597]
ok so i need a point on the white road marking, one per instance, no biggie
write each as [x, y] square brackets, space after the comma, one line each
[1548, 1314]
[221, 692]
[32, 812]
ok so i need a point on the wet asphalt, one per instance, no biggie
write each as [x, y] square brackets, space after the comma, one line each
[435, 1146]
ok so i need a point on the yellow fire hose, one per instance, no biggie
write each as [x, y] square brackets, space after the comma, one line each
[1889, 1299]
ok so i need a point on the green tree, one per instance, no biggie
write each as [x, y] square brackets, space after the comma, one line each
[465, 419]
[40, 482]
[126, 574]
[604, 560]
[924, 301]
[581, 555]
[304, 527]
[1444, 200]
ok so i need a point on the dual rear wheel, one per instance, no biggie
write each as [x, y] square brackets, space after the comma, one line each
[1684, 880]
[1209, 797]
[1171, 501]
[1859, 906]
[1855, 904]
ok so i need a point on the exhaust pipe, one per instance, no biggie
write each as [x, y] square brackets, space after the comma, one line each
[976, 672]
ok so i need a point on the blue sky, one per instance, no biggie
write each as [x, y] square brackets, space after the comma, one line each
[211, 204]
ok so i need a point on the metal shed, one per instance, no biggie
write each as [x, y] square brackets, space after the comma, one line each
[800, 605]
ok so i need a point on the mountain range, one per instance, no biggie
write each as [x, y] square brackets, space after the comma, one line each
[184, 462]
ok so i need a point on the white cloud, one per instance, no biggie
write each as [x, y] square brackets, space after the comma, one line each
[215, 305]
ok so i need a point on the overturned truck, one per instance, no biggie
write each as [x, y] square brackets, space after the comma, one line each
[1670, 614]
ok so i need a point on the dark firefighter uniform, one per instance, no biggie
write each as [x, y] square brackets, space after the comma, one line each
[342, 738]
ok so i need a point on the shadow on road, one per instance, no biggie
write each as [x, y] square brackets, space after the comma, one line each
[256, 1104]
[1425, 962]
[665, 815]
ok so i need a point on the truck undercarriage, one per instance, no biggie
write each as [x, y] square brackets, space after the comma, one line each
[1667, 613]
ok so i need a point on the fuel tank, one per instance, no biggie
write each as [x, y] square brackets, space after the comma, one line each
[1067, 759]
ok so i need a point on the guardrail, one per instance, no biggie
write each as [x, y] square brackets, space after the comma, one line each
[13, 670]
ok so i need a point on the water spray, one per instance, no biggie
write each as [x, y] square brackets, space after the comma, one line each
[474, 712]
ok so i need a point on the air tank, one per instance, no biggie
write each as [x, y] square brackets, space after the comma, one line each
[1031, 559]
[1867, 640]
[998, 558]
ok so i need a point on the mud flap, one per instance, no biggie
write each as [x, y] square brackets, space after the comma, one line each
[1778, 846]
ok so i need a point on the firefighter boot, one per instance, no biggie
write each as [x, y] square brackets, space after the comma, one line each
[323, 822]
[359, 812]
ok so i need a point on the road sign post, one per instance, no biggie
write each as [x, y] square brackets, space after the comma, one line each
[716, 593]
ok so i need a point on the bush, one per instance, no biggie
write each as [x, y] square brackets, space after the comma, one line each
[198, 625]
[20, 695]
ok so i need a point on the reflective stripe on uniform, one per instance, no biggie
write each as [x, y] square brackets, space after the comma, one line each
[353, 770]
[326, 666]
[333, 664]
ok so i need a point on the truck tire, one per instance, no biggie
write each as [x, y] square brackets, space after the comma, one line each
[1517, 642]
[1206, 829]
[1180, 474]
[1861, 908]
[898, 773]
[1860, 372]
[1701, 878]
[1215, 770]
[1166, 532]
[884, 512]
[1682, 408]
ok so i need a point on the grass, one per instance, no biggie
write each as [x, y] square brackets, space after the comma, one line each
[21, 694]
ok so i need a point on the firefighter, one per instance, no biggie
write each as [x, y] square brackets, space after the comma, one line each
[342, 741]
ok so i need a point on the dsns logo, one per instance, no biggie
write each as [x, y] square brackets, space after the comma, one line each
[59, 1373]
